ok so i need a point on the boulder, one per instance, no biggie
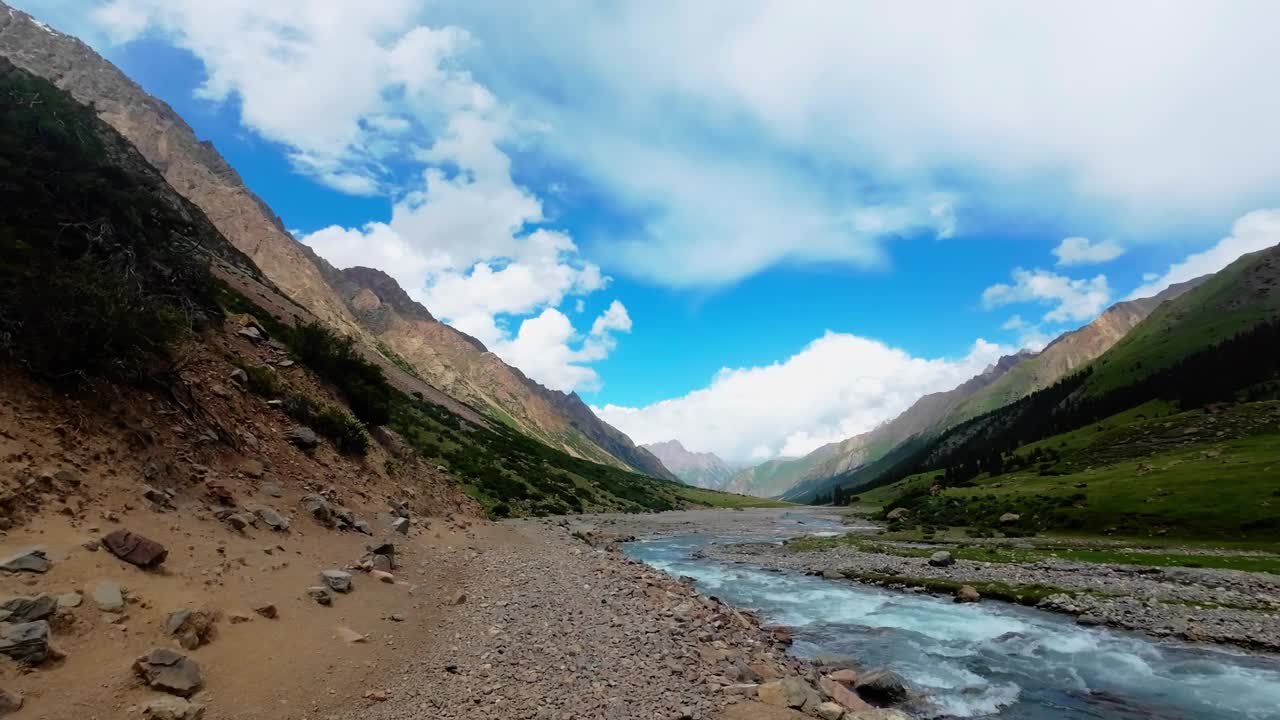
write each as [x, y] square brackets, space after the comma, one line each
[400, 525]
[337, 580]
[380, 563]
[384, 548]
[898, 514]
[792, 692]
[134, 548]
[967, 594]
[272, 490]
[320, 595]
[830, 711]
[30, 609]
[882, 687]
[319, 508]
[399, 508]
[170, 671]
[27, 643]
[302, 436]
[172, 708]
[1009, 518]
[942, 558]
[836, 691]
[845, 677]
[241, 520]
[29, 560]
[267, 610]
[10, 702]
[108, 596]
[271, 518]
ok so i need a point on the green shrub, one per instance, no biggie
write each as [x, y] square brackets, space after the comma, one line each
[347, 433]
[335, 359]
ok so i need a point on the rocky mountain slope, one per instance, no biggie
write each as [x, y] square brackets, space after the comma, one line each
[450, 361]
[1010, 378]
[703, 469]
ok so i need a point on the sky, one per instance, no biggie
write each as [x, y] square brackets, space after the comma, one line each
[756, 226]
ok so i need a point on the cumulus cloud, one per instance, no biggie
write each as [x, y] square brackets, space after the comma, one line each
[839, 385]
[1080, 251]
[348, 88]
[1257, 230]
[1072, 299]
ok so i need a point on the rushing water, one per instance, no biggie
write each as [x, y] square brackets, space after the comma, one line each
[989, 659]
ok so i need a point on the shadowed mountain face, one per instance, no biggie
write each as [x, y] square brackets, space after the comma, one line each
[1010, 378]
[705, 470]
[363, 303]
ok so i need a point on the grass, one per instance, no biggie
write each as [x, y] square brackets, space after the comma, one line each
[716, 499]
[1035, 553]
[1022, 594]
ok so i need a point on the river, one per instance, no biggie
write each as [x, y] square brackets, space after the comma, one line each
[989, 659]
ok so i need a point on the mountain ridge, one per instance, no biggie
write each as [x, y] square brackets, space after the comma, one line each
[702, 469]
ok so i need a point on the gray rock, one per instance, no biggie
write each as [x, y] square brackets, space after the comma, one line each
[272, 489]
[176, 620]
[108, 597]
[400, 525]
[361, 526]
[240, 376]
[319, 508]
[942, 558]
[70, 600]
[337, 580]
[240, 520]
[10, 702]
[27, 642]
[320, 595]
[250, 332]
[29, 560]
[273, 519]
[170, 671]
[381, 562]
[1009, 518]
[882, 687]
[399, 508]
[303, 437]
[157, 497]
[172, 708]
[30, 609]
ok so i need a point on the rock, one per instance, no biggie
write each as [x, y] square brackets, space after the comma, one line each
[29, 560]
[830, 711]
[362, 527]
[253, 468]
[176, 621]
[942, 558]
[157, 497]
[400, 525]
[840, 693]
[267, 610]
[134, 548]
[380, 563]
[170, 671]
[458, 598]
[303, 437]
[792, 692]
[1009, 518]
[271, 518]
[30, 609]
[845, 677]
[240, 376]
[337, 580]
[272, 489]
[172, 708]
[238, 618]
[1090, 620]
[882, 687]
[27, 642]
[376, 696]
[320, 595]
[241, 520]
[70, 600]
[381, 576]
[192, 627]
[220, 494]
[399, 508]
[898, 514]
[250, 332]
[319, 509]
[108, 597]
[10, 702]
[347, 635]
[396, 617]
[836, 661]
[387, 549]
[967, 594]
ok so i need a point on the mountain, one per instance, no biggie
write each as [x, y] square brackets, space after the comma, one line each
[455, 365]
[1010, 378]
[703, 469]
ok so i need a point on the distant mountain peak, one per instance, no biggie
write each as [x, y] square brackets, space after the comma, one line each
[703, 469]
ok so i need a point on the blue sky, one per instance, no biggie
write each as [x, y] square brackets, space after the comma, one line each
[752, 226]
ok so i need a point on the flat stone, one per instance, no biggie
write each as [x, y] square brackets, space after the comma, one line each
[70, 600]
[347, 635]
[337, 580]
[271, 518]
[134, 548]
[27, 642]
[108, 596]
[30, 609]
[172, 708]
[170, 671]
[29, 560]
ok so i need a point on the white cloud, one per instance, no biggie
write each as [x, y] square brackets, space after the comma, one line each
[1257, 230]
[837, 386]
[1080, 251]
[1080, 299]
